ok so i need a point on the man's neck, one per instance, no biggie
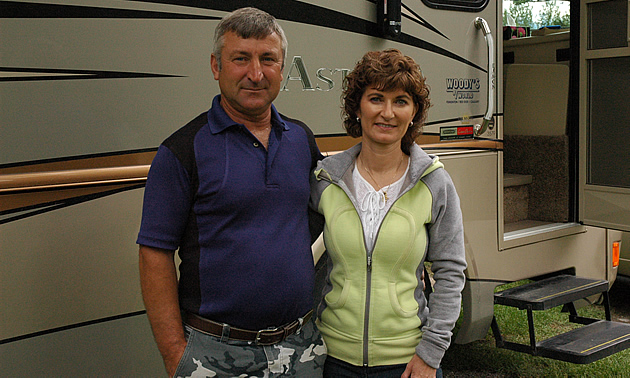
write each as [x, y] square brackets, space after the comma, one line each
[253, 121]
[257, 124]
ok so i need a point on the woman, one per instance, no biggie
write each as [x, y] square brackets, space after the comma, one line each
[388, 208]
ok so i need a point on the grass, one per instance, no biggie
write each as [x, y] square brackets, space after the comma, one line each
[483, 359]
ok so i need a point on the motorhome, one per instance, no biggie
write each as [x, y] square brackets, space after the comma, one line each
[532, 130]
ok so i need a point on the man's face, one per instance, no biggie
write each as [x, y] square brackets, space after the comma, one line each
[250, 75]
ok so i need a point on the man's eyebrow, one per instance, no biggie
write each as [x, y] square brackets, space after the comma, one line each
[241, 52]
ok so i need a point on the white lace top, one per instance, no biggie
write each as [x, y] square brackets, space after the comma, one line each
[372, 204]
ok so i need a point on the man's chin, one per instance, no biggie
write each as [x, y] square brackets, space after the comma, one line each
[254, 106]
[256, 100]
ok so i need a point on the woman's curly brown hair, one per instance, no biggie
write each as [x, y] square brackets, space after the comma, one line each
[386, 70]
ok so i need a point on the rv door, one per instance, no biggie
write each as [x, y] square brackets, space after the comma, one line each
[604, 114]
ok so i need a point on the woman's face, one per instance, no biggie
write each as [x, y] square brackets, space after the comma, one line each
[385, 115]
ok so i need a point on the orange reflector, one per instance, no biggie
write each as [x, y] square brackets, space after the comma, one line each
[615, 253]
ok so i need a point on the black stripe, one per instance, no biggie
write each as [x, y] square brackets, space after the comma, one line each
[30, 211]
[421, 21]
[77, 157]
[289, 10]
[72, 326]
[67, 74]
[13, 9]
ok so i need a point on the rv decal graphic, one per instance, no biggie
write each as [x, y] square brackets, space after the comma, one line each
[290, 10]
[463, 90]
[32, 74]
[326, 76]
[415, 17]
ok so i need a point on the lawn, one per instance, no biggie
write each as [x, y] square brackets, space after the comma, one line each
[483, 359]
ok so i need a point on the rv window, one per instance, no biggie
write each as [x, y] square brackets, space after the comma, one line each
[534, 14]
[459, 5]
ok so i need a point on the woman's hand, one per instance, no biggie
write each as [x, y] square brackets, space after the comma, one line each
[417, 368]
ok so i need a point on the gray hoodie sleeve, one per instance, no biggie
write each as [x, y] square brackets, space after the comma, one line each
[446, 251]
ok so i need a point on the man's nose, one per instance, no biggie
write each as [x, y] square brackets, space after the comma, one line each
[255, 73]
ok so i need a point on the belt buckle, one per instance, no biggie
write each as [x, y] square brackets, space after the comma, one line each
[262, 332]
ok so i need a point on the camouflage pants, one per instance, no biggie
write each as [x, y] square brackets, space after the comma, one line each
[300, 355]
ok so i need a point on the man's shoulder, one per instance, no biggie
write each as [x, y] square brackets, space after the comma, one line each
[186, 134]
[181, 142]
[315, 153]
[296, 122]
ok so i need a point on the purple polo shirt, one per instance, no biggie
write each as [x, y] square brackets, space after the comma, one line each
[238, 215]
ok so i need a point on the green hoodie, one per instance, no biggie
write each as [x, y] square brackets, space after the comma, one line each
[374, 311]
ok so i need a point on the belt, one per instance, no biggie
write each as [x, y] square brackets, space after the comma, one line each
[263, 337]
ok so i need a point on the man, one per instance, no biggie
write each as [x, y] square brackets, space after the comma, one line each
[230, 190]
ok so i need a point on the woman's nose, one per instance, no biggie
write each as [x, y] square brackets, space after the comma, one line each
[388, 111]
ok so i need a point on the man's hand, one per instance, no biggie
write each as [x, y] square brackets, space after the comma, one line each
[172, 359]
[158, 280]
[417, 368]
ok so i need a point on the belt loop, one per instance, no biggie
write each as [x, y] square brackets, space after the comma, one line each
[301, 323]
[225, 333]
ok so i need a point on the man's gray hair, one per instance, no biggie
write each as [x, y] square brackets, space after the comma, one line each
[248, 23]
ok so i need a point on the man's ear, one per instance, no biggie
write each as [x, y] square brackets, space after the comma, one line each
[214, 65]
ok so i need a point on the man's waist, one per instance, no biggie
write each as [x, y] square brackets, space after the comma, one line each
[269, 336]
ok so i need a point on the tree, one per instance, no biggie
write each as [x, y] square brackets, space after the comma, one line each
[521, 13]
[550, 15]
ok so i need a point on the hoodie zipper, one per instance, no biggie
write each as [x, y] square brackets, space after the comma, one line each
[366, 319]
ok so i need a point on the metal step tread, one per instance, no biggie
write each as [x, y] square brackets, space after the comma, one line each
[588, 343]
[550, 292]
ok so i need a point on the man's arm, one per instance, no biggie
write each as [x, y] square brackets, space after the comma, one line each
[158, 280]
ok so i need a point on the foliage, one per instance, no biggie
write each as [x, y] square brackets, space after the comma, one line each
[521, 13]
[550, 15]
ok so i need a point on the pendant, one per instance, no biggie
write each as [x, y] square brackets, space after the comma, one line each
[385, 195]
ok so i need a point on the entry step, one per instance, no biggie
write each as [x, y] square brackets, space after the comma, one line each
[511, 179]
[594, 340]
[550, 292]
[588, 343]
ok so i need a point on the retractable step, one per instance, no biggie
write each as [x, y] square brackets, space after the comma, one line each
[550, 292]
[595, 340]
[588, 343]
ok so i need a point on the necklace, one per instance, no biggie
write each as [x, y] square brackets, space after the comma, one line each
[376, 182]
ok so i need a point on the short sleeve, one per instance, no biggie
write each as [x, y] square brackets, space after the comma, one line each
[167, 202]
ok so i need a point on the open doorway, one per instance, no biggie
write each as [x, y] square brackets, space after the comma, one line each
[539, 131]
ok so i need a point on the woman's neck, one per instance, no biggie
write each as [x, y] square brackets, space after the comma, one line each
[381, 159]
[382, 167]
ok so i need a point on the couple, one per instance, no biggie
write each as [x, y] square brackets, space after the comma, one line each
[231, 190]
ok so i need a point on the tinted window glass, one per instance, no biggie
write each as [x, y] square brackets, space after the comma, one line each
[460, 5]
